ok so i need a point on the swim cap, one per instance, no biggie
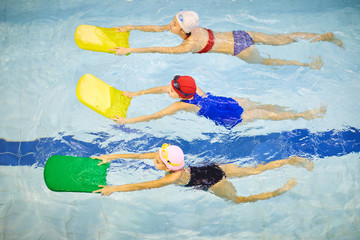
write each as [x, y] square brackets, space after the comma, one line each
[185, 86]
[172, 156]
[188, 20]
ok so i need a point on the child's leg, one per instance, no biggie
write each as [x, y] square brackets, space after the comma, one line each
[252, 55]
[316, 64]
[328, 37]
[283, 39]
[262, 196]
[294, 160]
[251, 115]
[226, 190]
[271, 39]
[232, 170]
[247, 104]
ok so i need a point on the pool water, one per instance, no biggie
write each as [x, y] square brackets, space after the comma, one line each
[40, 65]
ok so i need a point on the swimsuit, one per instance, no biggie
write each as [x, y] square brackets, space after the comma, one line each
[204, 178]
[210, 42]
[242, 40]
[222, 110]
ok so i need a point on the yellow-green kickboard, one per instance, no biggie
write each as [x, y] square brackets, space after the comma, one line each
[101, 97]
[100, 39]
[74, 174]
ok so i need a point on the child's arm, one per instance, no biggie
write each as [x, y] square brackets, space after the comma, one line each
[144, 28]
[155, 90]
[184, 47]
[162, 182]
[110, 157]
[170, 110]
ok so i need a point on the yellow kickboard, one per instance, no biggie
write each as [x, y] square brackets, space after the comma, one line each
[101, 97]
[100, 39]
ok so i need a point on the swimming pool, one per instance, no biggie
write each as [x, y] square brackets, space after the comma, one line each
[41, 64]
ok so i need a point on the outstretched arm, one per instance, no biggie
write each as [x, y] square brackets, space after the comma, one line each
[155, 90]
[170, 110]
[110, 157]
[185, 47]
[144, 28]
[162, 182]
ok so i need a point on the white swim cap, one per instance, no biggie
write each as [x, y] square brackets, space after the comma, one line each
[188, 20]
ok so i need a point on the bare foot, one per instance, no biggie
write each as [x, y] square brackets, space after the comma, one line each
[329, 37]
[301, 162]
[317, 63]
[314, 113]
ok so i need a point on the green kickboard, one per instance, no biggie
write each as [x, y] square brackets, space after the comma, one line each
[74, 174]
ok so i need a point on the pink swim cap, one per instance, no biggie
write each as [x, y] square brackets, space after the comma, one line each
[172, 156]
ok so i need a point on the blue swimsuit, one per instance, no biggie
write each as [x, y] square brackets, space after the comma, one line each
[222, 110]
[242, 40]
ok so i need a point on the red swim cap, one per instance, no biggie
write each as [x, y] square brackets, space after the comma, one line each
[185, 86]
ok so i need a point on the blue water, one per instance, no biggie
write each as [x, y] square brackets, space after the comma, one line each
[40, 65]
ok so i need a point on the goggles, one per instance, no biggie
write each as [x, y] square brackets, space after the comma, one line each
[177, 86]
[180, 17]
[165, 155]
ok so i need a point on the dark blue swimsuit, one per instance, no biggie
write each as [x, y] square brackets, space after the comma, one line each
[223, 111]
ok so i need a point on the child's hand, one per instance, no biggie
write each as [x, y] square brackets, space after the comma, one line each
[130, 94]
[120, 120]
[104, 159]
[106, 190]
[120, 50]
[123, 28]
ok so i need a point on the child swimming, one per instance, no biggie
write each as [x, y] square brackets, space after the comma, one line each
[224, 111]
[238, 43]
[211, 178]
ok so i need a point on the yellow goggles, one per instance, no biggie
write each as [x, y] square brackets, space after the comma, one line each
[165, 154]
